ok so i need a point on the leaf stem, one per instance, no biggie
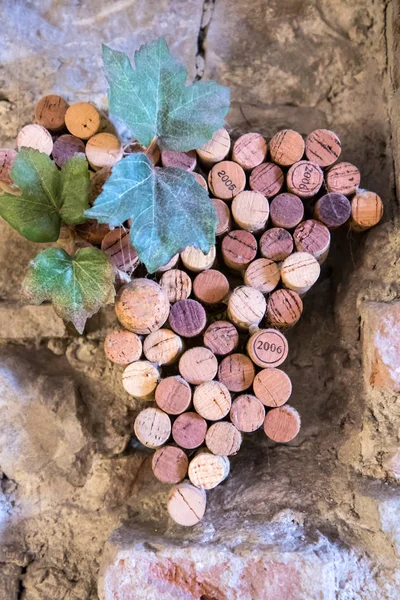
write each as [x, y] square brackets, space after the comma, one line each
[152, 145]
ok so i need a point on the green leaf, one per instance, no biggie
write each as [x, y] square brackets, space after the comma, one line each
[153, 100]
[77, 286]
[168, 208]
[48, 195]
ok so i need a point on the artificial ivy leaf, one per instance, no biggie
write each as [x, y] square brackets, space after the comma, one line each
[153, 100]
[168, 208]
[75, 183]
[77, 286]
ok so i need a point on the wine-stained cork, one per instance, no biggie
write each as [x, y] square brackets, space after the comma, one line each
[189, 430]
[173, 395]
[170, 464]
[103, 150]
[92, 232]
[7, 158]
[66, 147]
[263, 275]
[224, 223]
[140, 379]
[212, 400]
[169, 265]
[304, 179]
[300, 271]
[366, 210]
[216, 149]
[223, 439]
[186, 504]
[246, 306]
[198, 365]
[180, 160]
[323, 147]
[236, 372]
[177, 285]
[286, 210]
[286, 147]
[207, 470]
[152, 427]
[247, 413]
[83, 120]
[344, 178]
[226, 180]
[284, 309]
[50, 112]
[210, 287]
[267, 178]
[162, 347]
[120, 250]
[272, 387]
[239, 248]
[187, 318]
[221, 337]
[97, 179]
[201, 181]
[313, 237]
[142, 306]
[36, 137]
[195, 260]
[153, 152]
[250, 210]
[267, 348]
[122, 347]
[282, 424]
[249, 150]
[276, 244]
[333, 210]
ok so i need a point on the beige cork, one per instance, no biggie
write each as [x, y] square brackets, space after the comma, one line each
[116, 243]
[198, 365]
[207, 470]
[267, 178]
[304, 179]
[239, 248]
[247, 413]
[323, 147]
[140, 379]
[83, 120]
[250, 211]
[36, 137]
[142, 306]
[210, 287]
[162, 347]
[263, 275]
[249, 150]
[122, 347]
[201, 181]
[282, 424]
[267, 348]
[286, 147]
[221, 337]
[173, 395]
[177, 285]
[212, 400]
[300, 271]
[171, 264]
[223, 439]
[226, 180]
[272, 387]
[195, 260]
[246, 307]
[224, 223]
[216, 149]
[313, 237]
[170, 464]
[152, 427]
[366, 210]
[236, 372]
[343, 178]
[284, 309]
[186, 504]
[103, 150]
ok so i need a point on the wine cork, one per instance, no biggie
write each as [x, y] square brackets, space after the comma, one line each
[142, 306]
[223, 439]
[153, 152]
[239, 248]
[170, 464]
[180, 160]
[286, 147]
[186, 504]
[323, 147]
[140, 379]
[250, 211]
[212, 400]
[120, 250]
[122, 347]
[366, 210]
[215, 150]
[97, 179]
[333, 210]
[187, 318]
[152, 427]
[7, 158]
[344, 178]
[198, 365]
[189, 430]
[169, 265]
[210, 287]
[92, 232]
[286, 211]
[272, 387]
[206, 470]
[247, 413]
[236, 372]
[201, 181]
[267, 348]
[103, 150]
[162, 347]
[300, 271]
[50, 112]
[304, 179]
[224, 223]
[246, 307]
[221, 337]
[263, 275]
[284, 309]
[173, 395]
[36, 137]
[249, 150]
[267, 178]
[226, 180]
[177, 285]
[195, 260]
[313, 237]
[282, 424]
[66, 147]
[83, 120]
[276, 244]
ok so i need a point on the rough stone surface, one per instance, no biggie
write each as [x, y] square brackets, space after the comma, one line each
[30, 322]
